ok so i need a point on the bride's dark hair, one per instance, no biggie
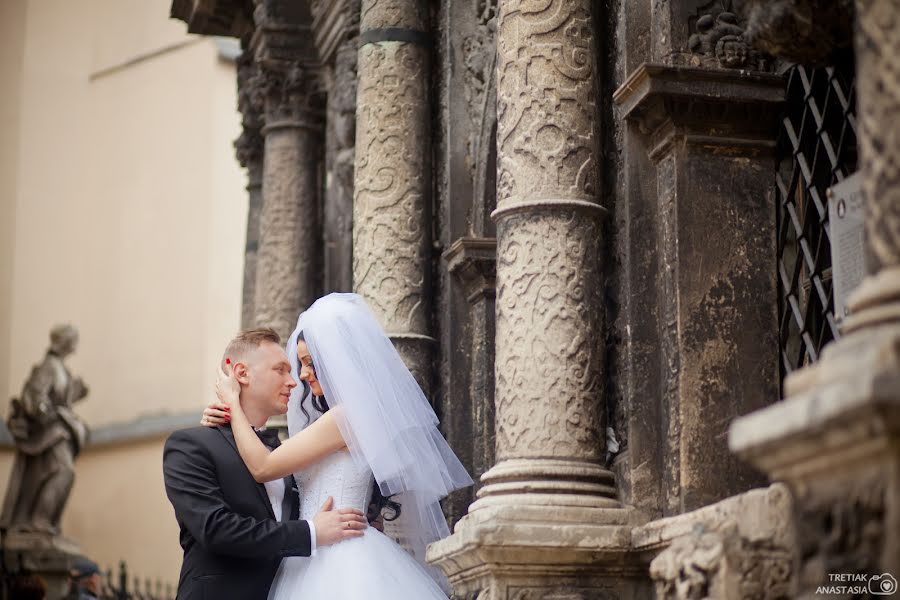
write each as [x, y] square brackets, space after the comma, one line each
[379, 501]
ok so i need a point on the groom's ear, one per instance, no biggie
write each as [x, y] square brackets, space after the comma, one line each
[241, 373]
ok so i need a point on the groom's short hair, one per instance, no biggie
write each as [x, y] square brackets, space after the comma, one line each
[247, 341]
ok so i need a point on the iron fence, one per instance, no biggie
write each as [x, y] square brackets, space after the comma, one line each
[114, 586]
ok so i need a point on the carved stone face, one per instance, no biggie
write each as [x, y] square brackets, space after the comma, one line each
[63, 340]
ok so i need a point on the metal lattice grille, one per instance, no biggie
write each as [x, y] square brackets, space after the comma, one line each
[817, 148]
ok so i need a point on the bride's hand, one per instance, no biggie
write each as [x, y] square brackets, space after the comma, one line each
[216, 414]
[228, 390]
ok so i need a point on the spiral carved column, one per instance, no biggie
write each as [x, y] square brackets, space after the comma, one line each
[391, 220]
[548, 502]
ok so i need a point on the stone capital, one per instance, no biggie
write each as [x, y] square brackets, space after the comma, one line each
[248, 147]
[289, 69]
[293, 96]
[251, 104]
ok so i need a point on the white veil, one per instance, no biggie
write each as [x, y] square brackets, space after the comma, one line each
[385, 418]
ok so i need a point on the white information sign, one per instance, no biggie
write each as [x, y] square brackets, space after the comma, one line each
[846, 215]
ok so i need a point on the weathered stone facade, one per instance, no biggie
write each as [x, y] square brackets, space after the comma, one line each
[563, 212]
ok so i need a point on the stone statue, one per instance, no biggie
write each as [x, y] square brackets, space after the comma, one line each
[48, 435]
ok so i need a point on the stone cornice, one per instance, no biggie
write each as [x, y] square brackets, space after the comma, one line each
[229, 18]
[739, 109]
[473, 262]
[126, 432]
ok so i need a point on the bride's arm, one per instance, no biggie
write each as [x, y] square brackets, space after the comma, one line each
[303, 449]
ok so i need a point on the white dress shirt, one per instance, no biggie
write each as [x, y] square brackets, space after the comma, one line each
[275, 490]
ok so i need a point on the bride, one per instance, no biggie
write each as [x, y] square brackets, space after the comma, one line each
[368, 418]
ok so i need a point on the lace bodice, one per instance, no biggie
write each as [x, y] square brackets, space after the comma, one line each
[337, 476]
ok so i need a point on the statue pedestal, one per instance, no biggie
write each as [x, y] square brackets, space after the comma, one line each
[50, 557]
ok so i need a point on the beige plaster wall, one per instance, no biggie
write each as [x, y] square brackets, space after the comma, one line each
[130, 215]
[12, 47]
[130, 208]
[119, 509]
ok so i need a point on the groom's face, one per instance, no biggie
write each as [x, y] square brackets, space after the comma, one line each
[268, 382]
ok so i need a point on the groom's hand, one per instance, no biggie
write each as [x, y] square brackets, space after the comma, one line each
[335, 525]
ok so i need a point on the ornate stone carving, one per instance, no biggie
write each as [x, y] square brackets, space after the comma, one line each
[391, 225]
[549, 418]
[841, 529]
[288, 256]
[878, 90]
[548, 363]
[718, 38]
[546, 102]
[48, 436]
[292, 92]
[559, 593]
[391, 234]
[473, 262]
[710, 565]
[801, 31]
[249, 146]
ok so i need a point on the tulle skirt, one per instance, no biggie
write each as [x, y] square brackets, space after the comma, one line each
[371, 567]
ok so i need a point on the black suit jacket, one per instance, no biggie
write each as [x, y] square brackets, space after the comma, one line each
[231, 540]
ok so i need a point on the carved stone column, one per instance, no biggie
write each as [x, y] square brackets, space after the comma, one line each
[835, 440]
[289, 258]
[249, 151]
[546, 523]
[391, 220]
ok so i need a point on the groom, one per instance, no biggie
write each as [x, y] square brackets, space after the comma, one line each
[235, 531]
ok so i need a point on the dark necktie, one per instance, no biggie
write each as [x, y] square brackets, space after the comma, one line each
[269, 437]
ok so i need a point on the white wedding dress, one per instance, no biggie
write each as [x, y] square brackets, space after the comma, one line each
[371, 567]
